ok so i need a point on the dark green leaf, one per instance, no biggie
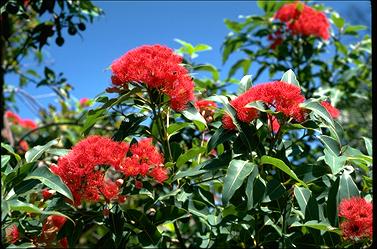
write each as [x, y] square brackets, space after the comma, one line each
[169, 214]
[36, 152]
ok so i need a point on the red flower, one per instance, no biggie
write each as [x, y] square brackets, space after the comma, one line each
[159, 174]
[359, 218]
[304, 20]
[84, 102]
[206, 108]
[13, 117]
[157, 67]
[122, 198]
[28, 124]
[138, 184]
[335, 113]
[12, 234]
[81, 168]
[24, 145]
[278, 96]
[275, 126]
[228, 123]
[57, 220]
[47, 194]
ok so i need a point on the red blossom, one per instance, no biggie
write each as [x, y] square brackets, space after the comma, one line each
[64, 242]
[335, 113]
[228, 123]
[122, 198]
[304, 20]
[47, 194]
[84, 102]
[12, 234]
[159, 174]
[358, 214]
[278, 96]
[28, 124]
[24, 145]
[158, 67]
[13, 117]
[206, 108]
[138, 184]
[275, 123]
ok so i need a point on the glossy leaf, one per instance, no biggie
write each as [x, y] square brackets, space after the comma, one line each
[36, 152]
[290, 77]
[237, 172]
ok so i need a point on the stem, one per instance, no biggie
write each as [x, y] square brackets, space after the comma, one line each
[201, 145]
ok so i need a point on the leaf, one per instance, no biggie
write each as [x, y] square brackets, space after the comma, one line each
[318, 225]
[368, 146]
[209, 68]
[318, 109]
[332, 203]
[192, 114]
[129, 125]
[45, 176]
[347, 187]
[91, 118]
[282, 166]
[220, 136]
[336, 163]
[337, 20]
[351, 29]
[189, 172]
[237, 172]
[275, 190]
[36, 152]
[17, 205]
[10, 150]
[302, 196]
[331, 144]
[191, 153]
[250, 188]
[4, 160]
[149, 235]
[175, 127]
[58, 152]
[169, 214]
[290, 77]
[245, 83]
[202, 47]
[244, 63]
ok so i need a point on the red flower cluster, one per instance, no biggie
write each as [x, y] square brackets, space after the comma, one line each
[157, 67]
[50, 229]
[81, 168]
[17, 120]
[206, 108]
[335, 113]
[12, 234]
[24, 145]
[304, 20]
[276, 39]
[359, 218]
[278, 96]
[84, 102]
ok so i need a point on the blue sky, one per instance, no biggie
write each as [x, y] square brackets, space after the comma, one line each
[127, 25]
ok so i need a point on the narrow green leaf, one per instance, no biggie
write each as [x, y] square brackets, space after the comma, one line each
[282, 166]
[220, 136]
[10, 150]
[318, 225]
[237, 172]
[44, 175]
[4, 160]
[250, 187]
[347, 187]
[36, 152]
[337, 20]
[191, 153]
[336, 163]
[318, 109]
[192, 114]
[245, 84]
[176, 127]
[368, 145]
[169, 214]
[302, 196]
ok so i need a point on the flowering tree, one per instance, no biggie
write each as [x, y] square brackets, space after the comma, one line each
[187, 164]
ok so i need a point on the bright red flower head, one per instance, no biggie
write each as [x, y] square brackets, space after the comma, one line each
[335, 113]
[278, 96]
[24, 145]
[84, 102]
[158, 67]
[358, 214]
[47, 194]
[13, 117]
[12, 234]
[304, 20]
[28, 124]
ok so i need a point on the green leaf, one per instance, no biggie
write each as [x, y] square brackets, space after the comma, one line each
[337, 20]
[191, 153]
[318, 225]
[237, 172]
[242, 63]
[149, 235]
[209, 68]
[10, 150]
[36, 152]
[318, 109]
[332, 203]
[4, 160]
[336, 163]
[17, 205]
[220, 136]
[202, 47]
[189, 172]
[192, 114]
[290, 77]
[368, 146]
[275, 190]
[351, 29]
[250, 188]
[175, 127]
[169, 214]
[302, 196]
[282, 166]
[331, 144]
[129, 125]
[44, 175]
[91, 118]
[245, 83]
[347, 187]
